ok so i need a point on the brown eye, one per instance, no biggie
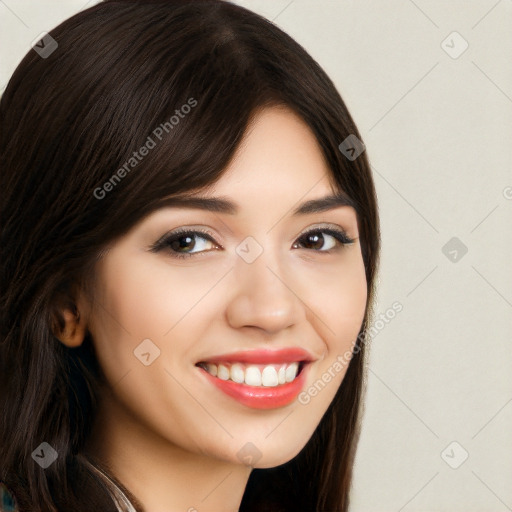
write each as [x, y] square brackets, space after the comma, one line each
[185, 243]
[180, 243]
[315, 239]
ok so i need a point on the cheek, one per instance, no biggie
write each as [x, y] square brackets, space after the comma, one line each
[136, 302]
[139, 299]
[348, 312]
[350, 315]
[127, 310]
[148, 300]
[338, 304]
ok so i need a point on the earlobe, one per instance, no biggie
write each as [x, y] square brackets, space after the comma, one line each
[72, 333]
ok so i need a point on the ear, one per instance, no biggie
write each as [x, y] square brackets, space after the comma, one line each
[73, 330]
[69, 320]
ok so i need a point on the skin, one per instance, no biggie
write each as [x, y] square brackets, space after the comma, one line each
[170, 436]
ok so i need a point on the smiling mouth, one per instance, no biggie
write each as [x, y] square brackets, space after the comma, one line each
[255, 375]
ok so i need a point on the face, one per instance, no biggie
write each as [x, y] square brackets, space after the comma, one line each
[230, 340]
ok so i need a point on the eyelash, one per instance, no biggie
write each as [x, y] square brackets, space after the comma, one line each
[164, 242]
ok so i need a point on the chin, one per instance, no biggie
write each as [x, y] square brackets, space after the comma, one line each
[277, 459]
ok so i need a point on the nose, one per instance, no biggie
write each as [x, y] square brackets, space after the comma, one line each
[264, 297]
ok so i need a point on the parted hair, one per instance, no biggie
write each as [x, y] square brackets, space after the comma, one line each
[69, 121]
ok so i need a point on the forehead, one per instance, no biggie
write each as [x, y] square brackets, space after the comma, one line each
[278, 169]
[278, 156]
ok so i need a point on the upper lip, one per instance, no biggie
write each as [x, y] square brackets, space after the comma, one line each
[263, 356]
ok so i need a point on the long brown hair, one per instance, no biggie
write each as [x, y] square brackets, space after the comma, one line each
[69, 122]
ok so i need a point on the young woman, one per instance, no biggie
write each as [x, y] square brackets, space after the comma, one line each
[189, 240]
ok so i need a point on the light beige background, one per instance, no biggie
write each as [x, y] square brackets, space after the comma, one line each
[438, 134]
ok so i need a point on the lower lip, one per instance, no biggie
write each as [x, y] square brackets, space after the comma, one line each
[261, 397]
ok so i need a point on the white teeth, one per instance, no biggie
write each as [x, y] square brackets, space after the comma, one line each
[268, 375]
[253, 376]
[223, 372]
[212, 369]
[237, 373]
[291, 372]
[281, 375]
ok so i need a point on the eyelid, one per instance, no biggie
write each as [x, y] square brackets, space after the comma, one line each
[333, 230]
[160, 243]
[326, 227]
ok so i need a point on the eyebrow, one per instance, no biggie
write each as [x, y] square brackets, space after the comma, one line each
[223, 205]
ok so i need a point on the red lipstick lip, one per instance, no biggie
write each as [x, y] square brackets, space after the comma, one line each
[264, 356]
[261, 397]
